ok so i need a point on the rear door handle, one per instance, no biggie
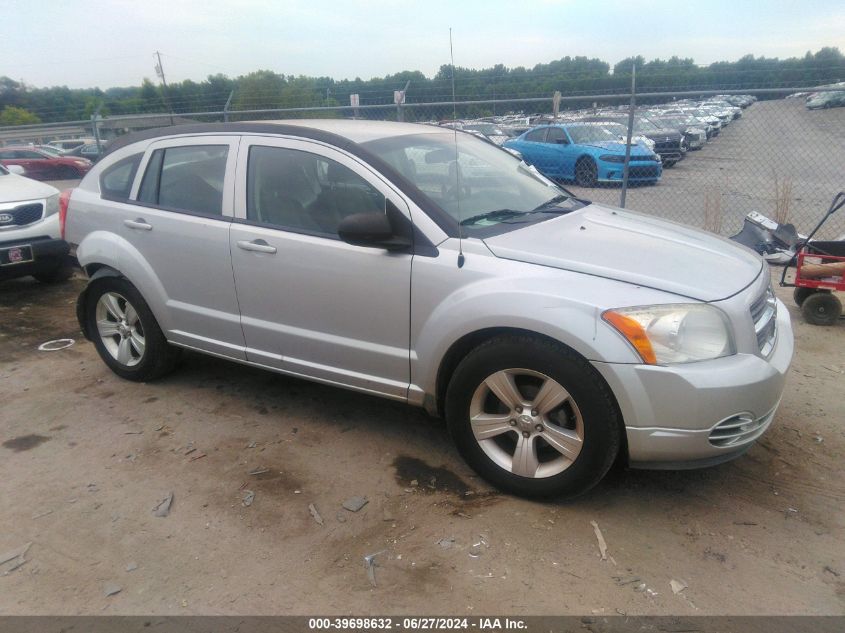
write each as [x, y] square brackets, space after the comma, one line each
[258, 246]
[139, 223]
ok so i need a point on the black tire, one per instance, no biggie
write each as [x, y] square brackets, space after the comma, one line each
[158, 358]
[601, 428]
[799, 295]
[586, 172]
[821, 308]
[55, 275]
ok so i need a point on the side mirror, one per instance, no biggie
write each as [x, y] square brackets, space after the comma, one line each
[16, 169]
[373, 230]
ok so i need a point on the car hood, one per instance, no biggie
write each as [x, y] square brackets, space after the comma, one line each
[14, 188]
[634, 248]
[663, 132]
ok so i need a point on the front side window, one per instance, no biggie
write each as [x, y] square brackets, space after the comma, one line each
[300, 191]
[186, 178]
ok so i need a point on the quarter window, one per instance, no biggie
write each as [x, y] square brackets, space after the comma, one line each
[304, 192]
[186, 179]
[116, 181]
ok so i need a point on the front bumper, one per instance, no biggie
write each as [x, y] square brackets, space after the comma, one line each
[638, 171]
[671, 413]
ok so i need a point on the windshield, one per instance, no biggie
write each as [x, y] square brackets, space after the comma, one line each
[644, 126]
[591, 134]
[468, 177]
[52, 151]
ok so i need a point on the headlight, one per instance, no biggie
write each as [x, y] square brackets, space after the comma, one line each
[612, 158]
[676, 333]
[52, 205]
[82, 162]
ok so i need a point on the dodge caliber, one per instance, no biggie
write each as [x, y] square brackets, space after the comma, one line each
[428, 266]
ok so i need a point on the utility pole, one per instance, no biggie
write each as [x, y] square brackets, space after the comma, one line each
[160, 73]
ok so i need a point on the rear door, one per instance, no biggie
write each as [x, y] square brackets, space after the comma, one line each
[310, 303]
[177, 221]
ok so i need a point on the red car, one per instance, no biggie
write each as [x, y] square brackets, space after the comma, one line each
[43, 166]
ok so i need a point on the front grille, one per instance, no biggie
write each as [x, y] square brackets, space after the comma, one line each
[739, 429]
[764, 315]
[642, 172]
[23, 214]
[667, 145]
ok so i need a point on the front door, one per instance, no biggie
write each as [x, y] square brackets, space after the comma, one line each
[311, 304]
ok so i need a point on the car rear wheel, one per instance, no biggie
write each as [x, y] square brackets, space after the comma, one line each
[68, 173]
[821, 308]
[125, 332]
[586, 172]
[532, 417]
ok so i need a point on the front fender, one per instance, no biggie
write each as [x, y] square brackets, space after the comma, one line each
[490, 293]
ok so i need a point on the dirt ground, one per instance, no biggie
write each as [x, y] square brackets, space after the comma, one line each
[86, 456]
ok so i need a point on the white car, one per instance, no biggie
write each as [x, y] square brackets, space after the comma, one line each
[30, 236]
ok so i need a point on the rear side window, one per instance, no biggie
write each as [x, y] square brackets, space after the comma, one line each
[186, 179]
[116, 181]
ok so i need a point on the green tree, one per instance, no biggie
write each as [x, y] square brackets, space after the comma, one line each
[11, 115]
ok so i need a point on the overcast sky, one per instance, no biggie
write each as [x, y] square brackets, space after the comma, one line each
[108, 43]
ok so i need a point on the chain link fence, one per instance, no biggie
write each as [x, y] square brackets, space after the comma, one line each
[771, 154]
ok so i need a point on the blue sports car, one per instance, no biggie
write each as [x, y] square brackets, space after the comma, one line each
[586, 153]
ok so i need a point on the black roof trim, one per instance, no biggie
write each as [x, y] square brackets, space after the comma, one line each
[440, 217]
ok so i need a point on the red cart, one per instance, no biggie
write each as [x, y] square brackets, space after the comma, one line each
[819, 270]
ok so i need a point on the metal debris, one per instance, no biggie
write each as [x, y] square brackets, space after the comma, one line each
[370, 566]
[252, 445]
[477, 549]
[196, 457]
[10, 561]
[249, 497]
[446, 543]
[110, 589]
[258, 471]
[626, 580]
[162, 508]
[131, 566]
[313, 510]
[678, 586]
[600, 538]
[353, 504]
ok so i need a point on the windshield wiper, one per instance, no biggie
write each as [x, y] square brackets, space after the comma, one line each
[492, 215]
[551, 205]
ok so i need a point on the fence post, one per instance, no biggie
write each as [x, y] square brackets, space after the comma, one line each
[556, 103]
[624, 193]
[226, 107]
[95, 127]
[399, 98]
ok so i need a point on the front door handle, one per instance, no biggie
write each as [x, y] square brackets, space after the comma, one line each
[138, 223]
[258, 246]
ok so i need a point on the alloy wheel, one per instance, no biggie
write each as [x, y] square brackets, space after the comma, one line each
[120, 329]
[527, 423]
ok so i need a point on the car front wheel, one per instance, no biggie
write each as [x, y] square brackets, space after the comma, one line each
[532, 417]
[125, 332]
[586, 172]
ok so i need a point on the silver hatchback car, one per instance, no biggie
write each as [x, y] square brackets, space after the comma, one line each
[428, 266]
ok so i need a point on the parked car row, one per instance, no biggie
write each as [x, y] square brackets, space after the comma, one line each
[588, 147]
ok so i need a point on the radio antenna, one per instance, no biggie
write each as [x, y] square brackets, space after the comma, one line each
[461, 258]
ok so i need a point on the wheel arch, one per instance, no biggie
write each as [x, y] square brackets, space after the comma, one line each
[466, 343]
